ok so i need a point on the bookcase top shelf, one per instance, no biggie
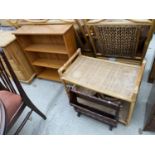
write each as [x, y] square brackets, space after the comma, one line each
[42, 30]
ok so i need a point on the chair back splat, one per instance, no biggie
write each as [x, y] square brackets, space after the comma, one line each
[5, 79]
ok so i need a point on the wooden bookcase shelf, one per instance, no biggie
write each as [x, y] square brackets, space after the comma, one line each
[48, 63]
[49, 74]
[47, 47]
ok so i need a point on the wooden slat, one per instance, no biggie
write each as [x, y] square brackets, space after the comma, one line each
[94, 115]
[94, 99]
[70, 60]
[120, 22]
[140, 74]
[149, 37]
[47, 48]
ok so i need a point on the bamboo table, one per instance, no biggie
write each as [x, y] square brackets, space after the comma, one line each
[115, 79]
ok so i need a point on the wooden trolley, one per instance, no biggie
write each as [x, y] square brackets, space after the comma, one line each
[115, 79]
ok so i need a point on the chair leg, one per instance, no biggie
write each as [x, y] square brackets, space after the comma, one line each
[35, 109]
[23, 123]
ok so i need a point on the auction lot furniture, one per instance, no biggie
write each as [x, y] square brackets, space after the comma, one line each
[47, 47]
[117, 80]
[16, 57]
[14, 97]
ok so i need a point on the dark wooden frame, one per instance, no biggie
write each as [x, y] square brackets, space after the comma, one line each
[6, 84]
[104, 117]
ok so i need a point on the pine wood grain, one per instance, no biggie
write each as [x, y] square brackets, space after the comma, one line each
[49, 74]
[42, 30]
[48, 63]
[48, 46]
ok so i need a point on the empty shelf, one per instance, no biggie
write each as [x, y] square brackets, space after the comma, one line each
[48, 63]
[49, 74]
[47, 48]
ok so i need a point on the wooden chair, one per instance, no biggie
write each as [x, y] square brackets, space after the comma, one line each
[120, 38]
[13, 96]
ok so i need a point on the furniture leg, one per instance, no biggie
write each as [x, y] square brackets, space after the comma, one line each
[110, 127]
[65, 86]
[35, 109]
[78, 114]
[38, 112]
[23, 123]
[132, 105]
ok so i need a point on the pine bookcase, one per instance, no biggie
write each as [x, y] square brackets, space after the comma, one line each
[47, 47]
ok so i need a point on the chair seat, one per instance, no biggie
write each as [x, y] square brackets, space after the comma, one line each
[11, 102]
